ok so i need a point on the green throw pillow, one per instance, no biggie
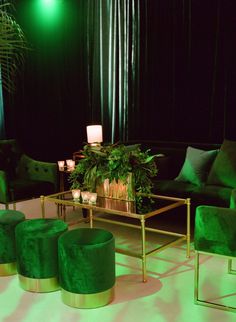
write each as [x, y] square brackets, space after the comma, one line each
[223, 171]
[196, 165]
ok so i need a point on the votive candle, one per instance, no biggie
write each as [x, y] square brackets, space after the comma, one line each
[85, 196]
[61, 165]
[92, 197]
[76, 194]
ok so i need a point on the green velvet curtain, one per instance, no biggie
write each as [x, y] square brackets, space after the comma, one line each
[2, 118]
[145, 69]
[113, 66]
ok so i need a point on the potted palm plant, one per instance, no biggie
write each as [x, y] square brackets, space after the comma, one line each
[12, 46]
[111, 167]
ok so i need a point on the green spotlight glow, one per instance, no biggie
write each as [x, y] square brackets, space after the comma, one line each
[49, 4]
[48, 11]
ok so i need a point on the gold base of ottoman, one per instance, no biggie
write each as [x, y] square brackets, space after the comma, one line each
[8, 269]
[87, 301]
[39, 285]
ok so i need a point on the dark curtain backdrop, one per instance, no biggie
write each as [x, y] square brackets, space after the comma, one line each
[188, 74]
[180, 73]
[49, 111]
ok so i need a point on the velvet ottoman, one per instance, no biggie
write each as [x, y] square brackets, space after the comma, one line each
[87, 267]
[37, 257]
[8, 221]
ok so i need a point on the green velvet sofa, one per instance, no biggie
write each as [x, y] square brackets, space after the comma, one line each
[206, 173]
[22, 177]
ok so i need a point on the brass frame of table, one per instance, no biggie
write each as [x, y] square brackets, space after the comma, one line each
[177, 202]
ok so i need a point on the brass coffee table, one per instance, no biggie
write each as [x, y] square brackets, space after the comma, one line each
[151, 205]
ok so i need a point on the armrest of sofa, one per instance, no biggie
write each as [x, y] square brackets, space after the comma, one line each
[3, 187]
[38, 170]
[215, 229]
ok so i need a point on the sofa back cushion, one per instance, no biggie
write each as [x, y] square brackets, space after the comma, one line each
[196, 166]
[223, 170]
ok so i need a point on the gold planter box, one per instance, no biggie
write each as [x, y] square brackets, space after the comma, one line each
[117, 189]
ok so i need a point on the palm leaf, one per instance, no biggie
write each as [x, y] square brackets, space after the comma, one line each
[12, 47]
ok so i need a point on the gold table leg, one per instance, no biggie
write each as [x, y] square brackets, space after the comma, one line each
[91, 218]
[61, 180]
[188, 228]
[42, 206]
[196, 277]
[230, 268]
[144, 268]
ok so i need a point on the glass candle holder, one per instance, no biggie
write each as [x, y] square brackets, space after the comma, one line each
[76, 194]
[70, 165]
[85, 196]
[92, 197]
[61, 165]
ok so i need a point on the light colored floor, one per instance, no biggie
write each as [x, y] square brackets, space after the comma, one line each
[166, 297]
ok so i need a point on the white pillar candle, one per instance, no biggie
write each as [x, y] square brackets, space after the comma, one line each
[94, 134]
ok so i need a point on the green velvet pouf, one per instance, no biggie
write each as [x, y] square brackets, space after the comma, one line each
[37, 257]
[8, 221]
[87, 267]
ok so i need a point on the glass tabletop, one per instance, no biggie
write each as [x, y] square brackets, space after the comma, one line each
[144, 204]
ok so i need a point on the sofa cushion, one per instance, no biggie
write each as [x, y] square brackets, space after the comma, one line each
[212, 195]
[223, 170]
[200, 195]
[173, 188]
[196, 166]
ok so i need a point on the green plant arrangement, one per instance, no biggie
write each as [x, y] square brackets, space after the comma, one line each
[12, 46]
[114, 162]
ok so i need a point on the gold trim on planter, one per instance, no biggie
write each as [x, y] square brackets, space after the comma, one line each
[8, 269]
[39, 285]
[87, 301]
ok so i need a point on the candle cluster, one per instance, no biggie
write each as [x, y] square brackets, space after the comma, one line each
[86, 196]
[70, 165]
[89, 197]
